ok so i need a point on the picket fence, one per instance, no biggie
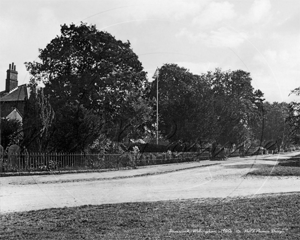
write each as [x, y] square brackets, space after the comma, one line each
[80, 161]
[31, 162]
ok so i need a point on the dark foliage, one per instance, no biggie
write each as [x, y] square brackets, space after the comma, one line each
[217, 106]
[86, 71]
[11, 132]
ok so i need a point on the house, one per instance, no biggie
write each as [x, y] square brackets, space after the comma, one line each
[14, 97]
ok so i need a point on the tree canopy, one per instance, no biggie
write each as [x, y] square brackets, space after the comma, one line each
[293, 118]
[273, 125]
[217, 106]
[95, 88]
[86, 70]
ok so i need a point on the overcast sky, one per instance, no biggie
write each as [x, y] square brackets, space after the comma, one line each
[259, 36]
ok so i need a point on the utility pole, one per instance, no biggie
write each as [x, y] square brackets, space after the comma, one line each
[263, 123]
[156, 75]
[0, 123]
[157, 110]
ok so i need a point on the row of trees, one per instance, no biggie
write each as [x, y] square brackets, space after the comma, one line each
[220, 107]
[96, 95]
[216, 106]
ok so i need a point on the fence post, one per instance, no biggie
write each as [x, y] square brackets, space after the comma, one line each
[29, 161]
[56, 161]
[18, 161]
[62, 160]
[34, 161]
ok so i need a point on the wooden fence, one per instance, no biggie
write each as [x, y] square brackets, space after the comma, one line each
[79, 161]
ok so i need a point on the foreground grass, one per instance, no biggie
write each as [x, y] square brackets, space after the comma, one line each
[264, 217]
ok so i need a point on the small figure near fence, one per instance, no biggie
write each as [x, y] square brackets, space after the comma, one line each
[134, 156]
[13, 153]
[242, 150]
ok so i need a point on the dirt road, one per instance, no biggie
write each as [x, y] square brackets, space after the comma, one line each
[221, 181]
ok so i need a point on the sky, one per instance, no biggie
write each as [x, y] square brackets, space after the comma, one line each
[261, 37]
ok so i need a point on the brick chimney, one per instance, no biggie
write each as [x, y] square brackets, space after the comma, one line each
[11, 78]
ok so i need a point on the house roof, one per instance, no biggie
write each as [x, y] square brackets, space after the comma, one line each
[20, 93]
[15, 114]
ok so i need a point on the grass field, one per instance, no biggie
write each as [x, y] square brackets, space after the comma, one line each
[263, 217]
[285, 168]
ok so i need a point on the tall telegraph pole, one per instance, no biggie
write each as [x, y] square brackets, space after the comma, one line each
[156, 75]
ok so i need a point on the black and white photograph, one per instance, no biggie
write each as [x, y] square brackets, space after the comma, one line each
[149, 119]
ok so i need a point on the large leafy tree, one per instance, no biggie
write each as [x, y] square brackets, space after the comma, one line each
[293, 118]
[86, 70]
[236, 105]
[176, 102]
[273, 126]
[202, 116]
[215, 107]
[74, 129]
[37, 121]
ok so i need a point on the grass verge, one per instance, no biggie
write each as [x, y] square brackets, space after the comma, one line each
[263, 217]
[284, 168]
[279, 171]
